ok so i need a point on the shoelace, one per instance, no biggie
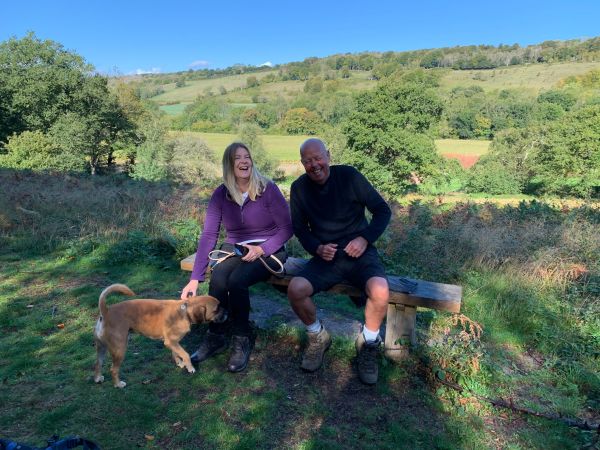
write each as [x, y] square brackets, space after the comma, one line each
[368, 358]
[314, 346]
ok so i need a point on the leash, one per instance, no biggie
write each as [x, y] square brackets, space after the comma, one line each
[53, 444]
[218, 256]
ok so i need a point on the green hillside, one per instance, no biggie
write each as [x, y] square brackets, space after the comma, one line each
[529, 79]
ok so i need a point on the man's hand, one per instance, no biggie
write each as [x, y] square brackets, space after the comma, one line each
[254, 252]
[356, 247]
[327, 251]
[190, 288]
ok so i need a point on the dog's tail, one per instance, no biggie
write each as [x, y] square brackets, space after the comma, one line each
[112, 288]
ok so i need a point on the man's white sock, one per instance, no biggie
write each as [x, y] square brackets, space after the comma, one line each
[315, 327]
[370, 336]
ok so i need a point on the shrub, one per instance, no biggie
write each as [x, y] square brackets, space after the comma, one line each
[493, 178]
[192, 161]
[37, 151]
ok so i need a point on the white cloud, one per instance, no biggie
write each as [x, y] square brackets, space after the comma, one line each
[268, 63]
[199, 63]
[144, 71]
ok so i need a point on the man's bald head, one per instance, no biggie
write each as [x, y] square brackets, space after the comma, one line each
[315, 159]
[313, 143]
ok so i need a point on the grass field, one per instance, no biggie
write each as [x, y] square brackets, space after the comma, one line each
[173, 110]
[532, 78]
[285, 148]
[281, 148]
[530, 278]
[194, 88]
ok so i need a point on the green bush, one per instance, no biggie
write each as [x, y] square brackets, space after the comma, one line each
[493, 178]
[192, 161]
[37, 151]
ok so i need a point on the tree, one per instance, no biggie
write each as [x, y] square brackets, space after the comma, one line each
[567, 160]
[301, 121]
[249, 135]
[386, 135]
[47, 89]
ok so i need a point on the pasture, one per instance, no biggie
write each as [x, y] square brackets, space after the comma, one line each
[530, 79]
[530, 278]
[284, 149]
[195, 88]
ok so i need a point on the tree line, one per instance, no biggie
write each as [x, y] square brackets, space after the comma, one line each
[56, 113]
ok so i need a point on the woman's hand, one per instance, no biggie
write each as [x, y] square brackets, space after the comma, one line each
[190, 289]
[254, 252]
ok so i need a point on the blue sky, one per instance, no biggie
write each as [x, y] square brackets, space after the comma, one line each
[129, 36]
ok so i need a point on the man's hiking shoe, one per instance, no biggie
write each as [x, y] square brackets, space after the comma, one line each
[318, 343]
[241, 346]
[211, 344]
[368, 368]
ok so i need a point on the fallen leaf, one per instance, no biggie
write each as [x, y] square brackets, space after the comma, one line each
[61, 325]
[149, 437]
[177, 424]
[30, 306]
[146, 381]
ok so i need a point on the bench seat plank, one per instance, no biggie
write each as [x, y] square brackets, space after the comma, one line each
[427, 294]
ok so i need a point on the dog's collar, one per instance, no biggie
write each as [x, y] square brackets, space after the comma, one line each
[185, 307]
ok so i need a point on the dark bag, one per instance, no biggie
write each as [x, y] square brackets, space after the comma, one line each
[53, 444]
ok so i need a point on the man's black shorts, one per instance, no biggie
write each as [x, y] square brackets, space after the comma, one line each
[356, 271]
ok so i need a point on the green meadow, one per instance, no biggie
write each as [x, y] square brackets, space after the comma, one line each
[193, 88]
[286, 148]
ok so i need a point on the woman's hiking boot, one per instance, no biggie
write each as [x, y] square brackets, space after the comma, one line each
[318, 343]
[367, 352]
[241, 346]
[211, 344]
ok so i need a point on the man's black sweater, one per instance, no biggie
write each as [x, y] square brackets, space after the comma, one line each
[335, 211]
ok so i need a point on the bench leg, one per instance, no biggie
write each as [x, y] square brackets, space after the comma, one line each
[399, 331]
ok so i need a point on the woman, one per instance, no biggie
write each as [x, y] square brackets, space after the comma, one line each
[251, 208]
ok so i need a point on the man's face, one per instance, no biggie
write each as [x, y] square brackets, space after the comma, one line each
[315, 160]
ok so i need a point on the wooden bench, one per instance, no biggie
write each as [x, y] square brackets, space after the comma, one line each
[402, 308]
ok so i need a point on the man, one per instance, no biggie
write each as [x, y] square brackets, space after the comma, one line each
[328, 215]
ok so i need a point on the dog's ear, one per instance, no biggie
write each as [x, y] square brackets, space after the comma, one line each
[198, 313]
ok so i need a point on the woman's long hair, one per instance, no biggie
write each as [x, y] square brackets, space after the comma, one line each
[258, 183]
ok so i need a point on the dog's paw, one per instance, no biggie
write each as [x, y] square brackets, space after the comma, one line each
[99, 379]
[191, 369]
[120, 384]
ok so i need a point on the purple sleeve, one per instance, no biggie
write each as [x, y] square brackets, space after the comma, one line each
[209, 236]
[280, 212]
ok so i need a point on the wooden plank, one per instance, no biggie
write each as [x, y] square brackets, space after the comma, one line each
[188, 263]
[400, 331]
[404, 291]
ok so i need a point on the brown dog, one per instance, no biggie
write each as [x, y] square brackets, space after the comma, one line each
[168, 320]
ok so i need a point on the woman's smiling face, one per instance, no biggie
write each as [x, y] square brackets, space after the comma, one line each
[242, 166]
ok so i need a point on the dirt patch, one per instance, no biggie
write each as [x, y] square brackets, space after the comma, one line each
[466, 161]
[268, 313]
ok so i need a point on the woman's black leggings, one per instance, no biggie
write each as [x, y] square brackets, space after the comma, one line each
[229, 283]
